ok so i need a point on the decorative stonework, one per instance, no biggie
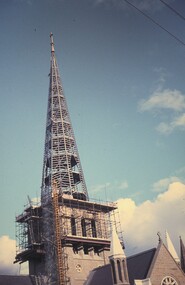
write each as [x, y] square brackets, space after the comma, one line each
[78, 268]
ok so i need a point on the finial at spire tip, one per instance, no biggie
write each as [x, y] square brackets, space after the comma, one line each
[52, 42]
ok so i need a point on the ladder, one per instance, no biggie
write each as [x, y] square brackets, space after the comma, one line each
[59, 251]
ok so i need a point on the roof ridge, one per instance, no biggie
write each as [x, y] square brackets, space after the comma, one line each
[140, 253]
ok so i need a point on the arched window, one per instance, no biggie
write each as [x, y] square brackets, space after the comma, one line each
[113, 271]
[119, 271]
[168, 280]
[125, 269]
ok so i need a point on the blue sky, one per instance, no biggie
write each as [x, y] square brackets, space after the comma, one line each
[123, 79]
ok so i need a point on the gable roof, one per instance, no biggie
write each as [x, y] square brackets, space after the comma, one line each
[139, 264]
[164, 264]
[15, 280]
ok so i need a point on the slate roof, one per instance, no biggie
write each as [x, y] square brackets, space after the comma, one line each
[100, 276]
[15, 280]
[139, 264]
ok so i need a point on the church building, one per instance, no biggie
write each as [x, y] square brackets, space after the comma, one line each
[156, 266]
[69, 239]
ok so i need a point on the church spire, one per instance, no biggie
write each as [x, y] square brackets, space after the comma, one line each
[116, 249]
[182, 254]
[171, 248]
[61, 158]
[118, 260]
[61, 170]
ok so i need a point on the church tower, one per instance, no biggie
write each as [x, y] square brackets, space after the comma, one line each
[67, 235]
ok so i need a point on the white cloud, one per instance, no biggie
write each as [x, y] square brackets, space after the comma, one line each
[164, 99]
[176, 123]
[171, 100]
[7, 256]
[162, 184]
[179, 121]
[141, 223]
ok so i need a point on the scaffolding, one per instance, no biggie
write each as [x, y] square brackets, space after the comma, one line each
[28, 233]
[75, 220]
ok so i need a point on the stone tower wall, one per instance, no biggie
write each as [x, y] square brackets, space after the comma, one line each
[87, 248]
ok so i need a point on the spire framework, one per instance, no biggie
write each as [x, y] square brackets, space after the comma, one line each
[61, 159]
